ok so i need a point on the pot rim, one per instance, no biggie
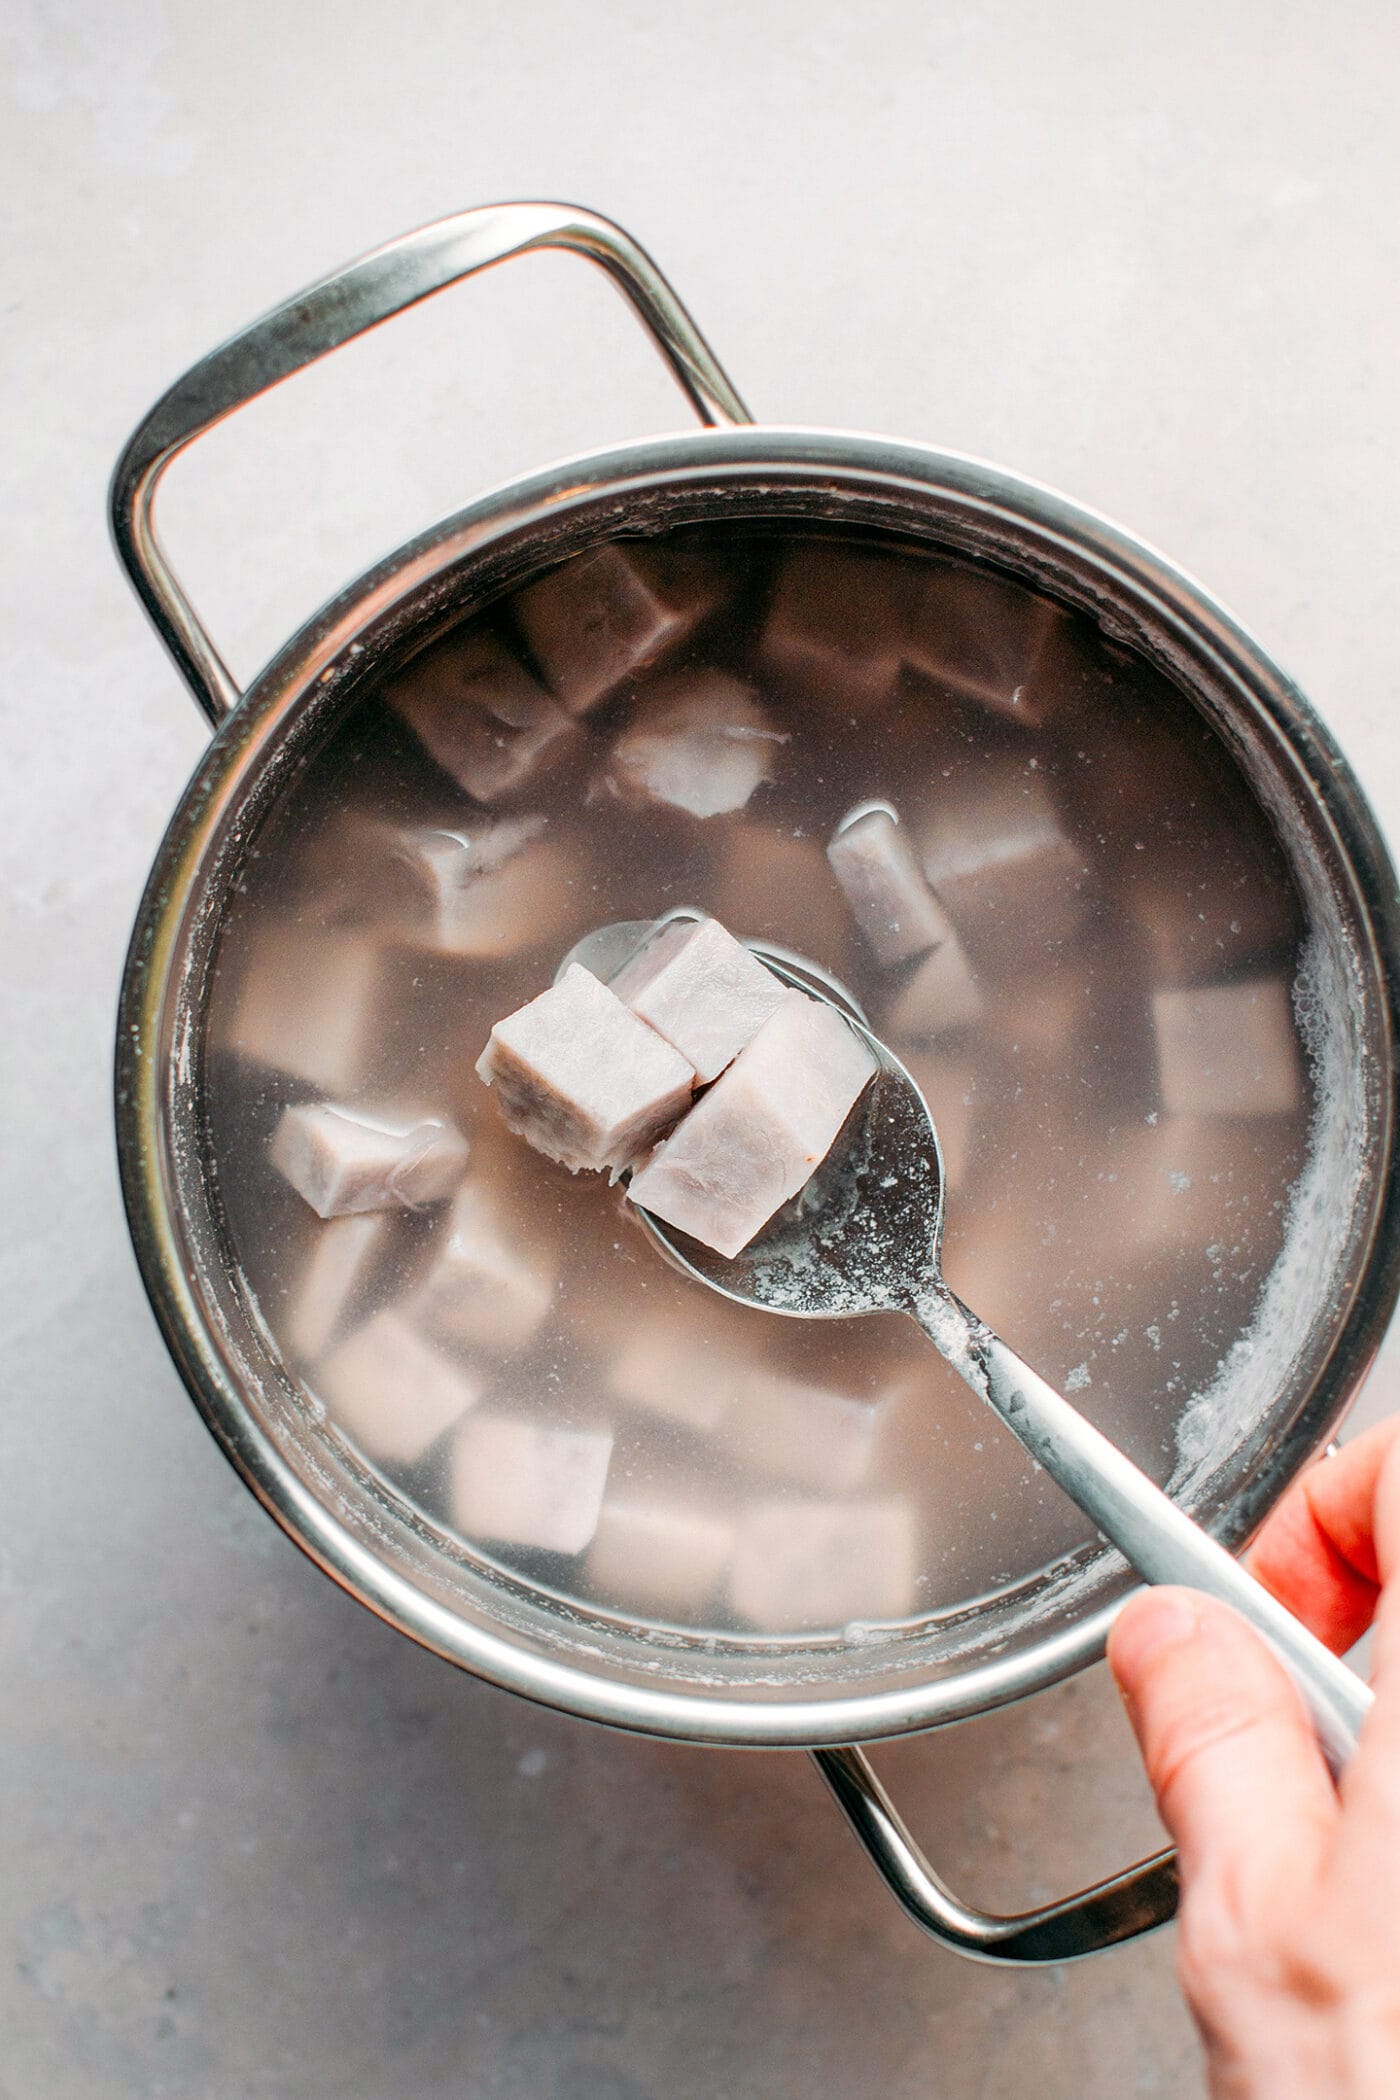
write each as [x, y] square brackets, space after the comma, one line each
[317, 664]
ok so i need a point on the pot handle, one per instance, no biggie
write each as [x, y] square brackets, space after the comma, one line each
[334, 311]
[1098, 1917]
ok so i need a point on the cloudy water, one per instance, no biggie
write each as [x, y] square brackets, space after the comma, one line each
[1065, 914]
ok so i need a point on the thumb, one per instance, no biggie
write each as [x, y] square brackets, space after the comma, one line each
[1224, 1734]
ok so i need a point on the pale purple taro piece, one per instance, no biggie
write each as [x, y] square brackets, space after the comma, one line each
[1228, 1049]
[481, 715]
[701, 989]
[1003, 866]
[391, 1392]
[941, 996]
[669, 1363]
[484, 890]
[343, 1257]
[308, 1004]
[663, 1550]
[699, 741]
[760, 1132]
[811, 1435]
[606, 616]
[835, 631]
[482, 1289]
[581, 1079]
[890, 900]
[987, 639]
[528, 1483]
[818, 1564]
[343, 1159]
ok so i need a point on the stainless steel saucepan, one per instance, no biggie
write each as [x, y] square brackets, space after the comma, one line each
[1282, 1402]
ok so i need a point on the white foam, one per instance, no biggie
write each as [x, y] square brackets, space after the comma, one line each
[1326, 1003]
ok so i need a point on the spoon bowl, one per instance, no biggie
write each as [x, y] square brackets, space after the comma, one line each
[864, 1235]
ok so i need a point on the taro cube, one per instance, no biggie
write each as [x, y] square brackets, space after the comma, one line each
[813, 1565]
[528, 1483]
[702, 990]
[760, 1132]
[659, 1551]
[481, 715]
[345, 1159]
[1187, 1183]
[776, 885]
[1210, 912]
[391, 1392]
[1001, 863]
[941, 997]
[671, 1364]
[890, 900]
[307, 1006]
[482, 1289]
[802, 1432]
[607, 616]
[699, 742]
[484, 890]
[987, 639]
[835, 631]
[343, 1256]
[1228, 1049]
[580, 1078]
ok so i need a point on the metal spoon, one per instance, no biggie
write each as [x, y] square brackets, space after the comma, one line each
[864, 1237]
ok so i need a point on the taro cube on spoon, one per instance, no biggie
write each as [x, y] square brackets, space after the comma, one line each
[583, 1079]
[867, 1240]
[700, 989]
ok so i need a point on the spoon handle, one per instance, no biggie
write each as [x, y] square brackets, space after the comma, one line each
[1160, 1540]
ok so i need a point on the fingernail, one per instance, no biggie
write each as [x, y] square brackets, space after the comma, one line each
[1149, 1622]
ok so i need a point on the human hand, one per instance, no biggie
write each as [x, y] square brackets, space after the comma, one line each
[1289, 1948]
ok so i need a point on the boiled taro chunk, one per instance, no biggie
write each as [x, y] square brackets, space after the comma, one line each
[810, 1564]
[308, 1005]
[485, 889]
[835, 629]
[1228, 1049]
[1011, 879]
[701, 989]
[483, 1290]
[392, 1391]
[981, 636]
[606, 616]
[341, 1263]
[890, 900]
[700, 742]
[529, 1483]
[343, 1160]
[480, 714]
[582, 1079]
[658, 1550]
[941, 996]
[757, 1136]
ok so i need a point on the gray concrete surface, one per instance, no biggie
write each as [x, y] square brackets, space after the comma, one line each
[253, 1846]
